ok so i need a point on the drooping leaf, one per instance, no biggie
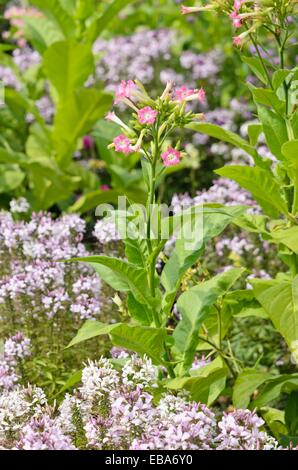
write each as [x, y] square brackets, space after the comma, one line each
[226, 136]
[246, 384]
[135, 278]
[194, 306]
[275, 130]
[262, 185]
[140, 339]
[273, 389]
[279, 298]
[209, 223]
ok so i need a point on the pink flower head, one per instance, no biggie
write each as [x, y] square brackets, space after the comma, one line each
[182, 93]
[237, 4]
[124, 90]
[201, 94]
[187, 94]
[237, 41]
[171, 157]
[110, 116]
[122, 144]
[147, 115]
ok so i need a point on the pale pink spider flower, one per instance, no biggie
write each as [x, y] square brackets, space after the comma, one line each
[147, 115]
[124, 90]
[171, 157]
[122, 144]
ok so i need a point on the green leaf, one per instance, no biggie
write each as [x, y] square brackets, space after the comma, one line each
[207, 386]
[68, 64]
[140, 339]
[210, 223]
[246, 384]
[243, 304]
[280, 300]
[71, 381]
[286, 236]
[194, 306]
[279, 77]
[224, 135]
[57, 15]
[136, 278]
[257, 68]
[291, 413]
[267, 97]
[140, 312]
[275, 130]
[42, 33]
[75, 117]
[274, 388]
[100, 24]
[11, 177]
[91, 329]
[254, 131]
[263, 186]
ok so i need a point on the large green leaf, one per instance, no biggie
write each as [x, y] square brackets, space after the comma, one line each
[100, 24]
[286, 236]
[42, 33]
[75, 117]
[262, 185]
[206, 385]
[140, 339]
[280, 300]
[226, 136]
[135, 278]
[246, 384]
[211, 222]
[11, 177]
[67, 65]
[194, 306]
[275, 130]
[274, 388]
[57, 15]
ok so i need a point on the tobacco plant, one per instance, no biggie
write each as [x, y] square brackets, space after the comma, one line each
[152, 296]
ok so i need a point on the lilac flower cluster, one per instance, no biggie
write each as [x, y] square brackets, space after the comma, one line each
[34, 282]
[16, 349]
[124, 57]
[115, 410]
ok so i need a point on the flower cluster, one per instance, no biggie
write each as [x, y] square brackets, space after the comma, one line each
[16, 349]
[33, 280]
[15, 15]
[153, 121]
[249, 14]
[116, 409]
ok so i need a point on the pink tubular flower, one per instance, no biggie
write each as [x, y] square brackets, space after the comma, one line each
[237, 41]
[124, 90]
[171, 157]
[187, 94]
[187, 10]
[147, 115]
[122, 144]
